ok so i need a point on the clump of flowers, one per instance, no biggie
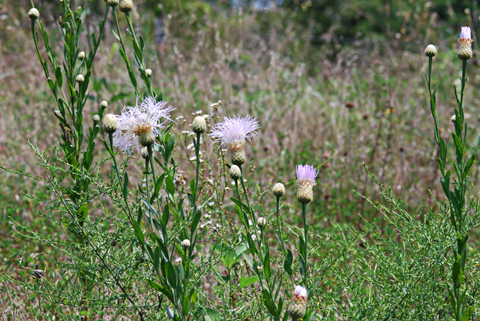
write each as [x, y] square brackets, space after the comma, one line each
[233, 133]
[465, 42]
[306, 175]
[140, 124]
[298, 306]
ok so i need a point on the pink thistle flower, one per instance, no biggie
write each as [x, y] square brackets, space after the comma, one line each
[465, 44]
[233, 132]
[306, 175]
[139, 123]
[298, 305]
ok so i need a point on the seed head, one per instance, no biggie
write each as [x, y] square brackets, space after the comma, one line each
[33, 13]
[199, 125]
[148, 72]
[112, 3]
[96, 118]
[306, 175]
[298, 306]
[430, 51]
[126, 5]
[110, 123]
[81, 55]
[80, 78]
[465, 44]
[261, 221]
[186, 243]
[235, 172]
[278, 190]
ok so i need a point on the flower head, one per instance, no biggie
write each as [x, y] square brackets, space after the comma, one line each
[306, 175]
[33, 13]
[430, 51]
[298, 306]
[465, 44]
[233, 132]
[138, 124]
[278, 190]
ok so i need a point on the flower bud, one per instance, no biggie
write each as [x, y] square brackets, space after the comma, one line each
[146, 139]
[454, 118]
[235, 172]
[112, 3]
[261, 221]
[199, 125]
[34, 14]
[80, 78]
[237, 148]
[278, 190]
[96, 118]
[148, 72]
[104, 104]
[81, 55]
[186, 243]
[126, 5]
[144, 152]
[298, 305]
[110, 123]
[430, 51]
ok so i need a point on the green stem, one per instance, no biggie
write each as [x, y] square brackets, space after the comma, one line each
[280, 234]
[305, 235]
[146, 178]
[197, 154]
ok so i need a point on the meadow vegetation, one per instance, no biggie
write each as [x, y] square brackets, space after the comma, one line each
[91, 232]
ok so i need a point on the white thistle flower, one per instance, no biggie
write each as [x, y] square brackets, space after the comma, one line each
[146, 118]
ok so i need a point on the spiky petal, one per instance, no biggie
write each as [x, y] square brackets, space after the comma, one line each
[143, 120]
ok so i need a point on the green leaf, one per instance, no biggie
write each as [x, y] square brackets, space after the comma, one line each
[138, 232]
[266, 264]
[58, 76]
[125, 185]
[244, 281]
[269, 304]
[195, 220]
[468, 314]
[170, 185]
[288, 263]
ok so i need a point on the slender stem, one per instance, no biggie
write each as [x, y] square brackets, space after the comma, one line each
[305, 235]
[146, 177]
[152, 166]
[197, 154]
[280, 233]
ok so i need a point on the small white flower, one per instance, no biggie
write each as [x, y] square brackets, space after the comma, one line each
[198, 112]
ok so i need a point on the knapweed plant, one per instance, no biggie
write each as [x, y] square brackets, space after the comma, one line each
[459, 205]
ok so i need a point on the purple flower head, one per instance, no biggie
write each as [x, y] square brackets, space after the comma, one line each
[234, 131]
[466, 33]
[306, 172]
[147, 117]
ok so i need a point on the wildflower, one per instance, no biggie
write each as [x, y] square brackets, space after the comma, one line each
[465, 42]
[110, 123]
[430, 51]
[298, 306]
[199, 125]
[148, 72]
[126, 6]
[306, 175]
[278, 190]
[96, 118]
[140, 124]
[233, 132]
[33, 13]
[80, 78]
[186, 243]
[81, 55]
[235, 172]
[261, 221]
